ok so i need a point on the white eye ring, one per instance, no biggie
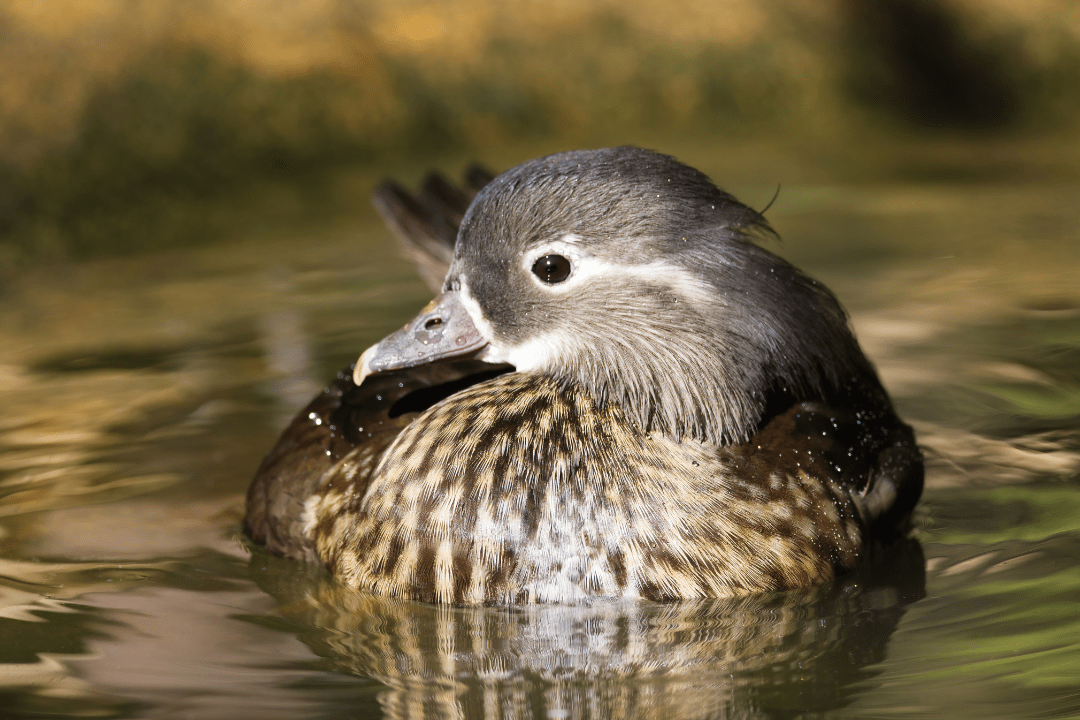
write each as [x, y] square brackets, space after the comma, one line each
[554, 263]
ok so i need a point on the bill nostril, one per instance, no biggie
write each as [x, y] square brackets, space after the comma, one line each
[433, 323]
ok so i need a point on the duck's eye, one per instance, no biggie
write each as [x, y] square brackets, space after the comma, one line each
[552, 269]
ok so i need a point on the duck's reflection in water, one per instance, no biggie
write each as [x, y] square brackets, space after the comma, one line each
[765, 655]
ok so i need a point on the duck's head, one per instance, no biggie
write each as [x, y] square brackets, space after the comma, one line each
[631, 275]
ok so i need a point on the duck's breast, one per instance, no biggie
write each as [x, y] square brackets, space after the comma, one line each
[520, 490]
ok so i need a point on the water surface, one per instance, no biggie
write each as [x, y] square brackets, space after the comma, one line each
[138, 396]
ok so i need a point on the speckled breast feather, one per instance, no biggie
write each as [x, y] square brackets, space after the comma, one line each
[547, 497]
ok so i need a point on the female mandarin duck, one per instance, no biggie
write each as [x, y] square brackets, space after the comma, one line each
[617, 394]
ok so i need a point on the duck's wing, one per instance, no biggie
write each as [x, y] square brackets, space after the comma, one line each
[895, 484]
[330, 446]
[873, 453]
[330, 449]
[426, 224]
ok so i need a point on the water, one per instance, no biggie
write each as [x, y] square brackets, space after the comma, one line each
[138, 396]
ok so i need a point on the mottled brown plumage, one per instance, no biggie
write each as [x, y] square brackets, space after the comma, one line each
[643, 448]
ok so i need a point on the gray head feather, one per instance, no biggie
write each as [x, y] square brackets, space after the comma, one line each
[678, 315]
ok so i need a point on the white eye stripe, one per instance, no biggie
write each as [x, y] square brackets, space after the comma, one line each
[684, 285]
[554, 347]
[585, 266]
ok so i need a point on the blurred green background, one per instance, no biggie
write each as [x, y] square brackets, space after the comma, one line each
[128, 125]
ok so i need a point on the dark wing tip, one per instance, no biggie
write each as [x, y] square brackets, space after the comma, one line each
[426, 224]
[477, 176]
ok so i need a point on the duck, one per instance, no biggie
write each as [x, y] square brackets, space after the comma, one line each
[617, 393]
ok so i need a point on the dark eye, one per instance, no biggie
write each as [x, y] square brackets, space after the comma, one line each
[552, 269]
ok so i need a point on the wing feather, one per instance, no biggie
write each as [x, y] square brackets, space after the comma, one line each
[426, 224]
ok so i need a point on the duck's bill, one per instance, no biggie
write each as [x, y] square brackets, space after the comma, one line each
[442, 330]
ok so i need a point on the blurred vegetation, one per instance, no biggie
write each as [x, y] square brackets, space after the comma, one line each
[926, 64]
[124, 123]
